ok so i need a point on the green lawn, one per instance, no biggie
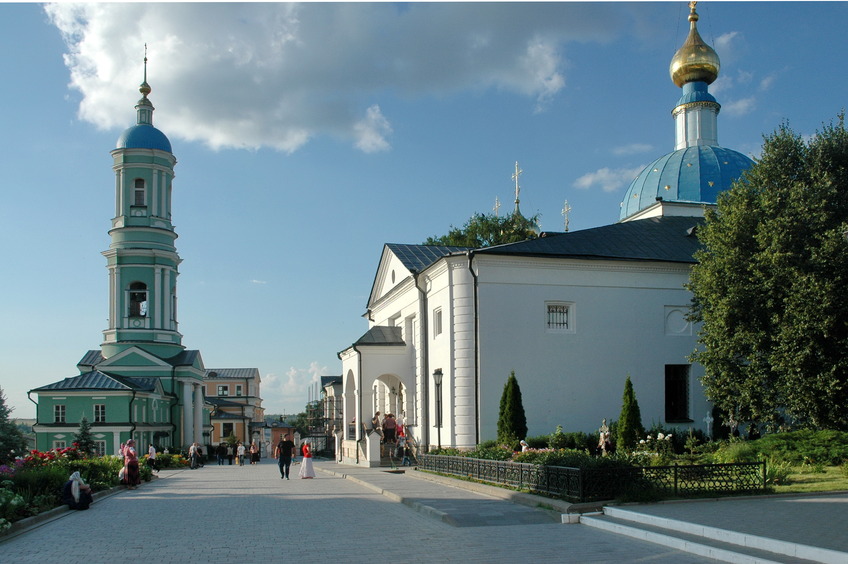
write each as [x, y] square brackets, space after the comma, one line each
[802, 480]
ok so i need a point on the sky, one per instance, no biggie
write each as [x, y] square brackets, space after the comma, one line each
[309, 135]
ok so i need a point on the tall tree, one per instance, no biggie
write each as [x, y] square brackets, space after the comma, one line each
[83, 438]
[629, 429]
[486, 230]
[12, 441]
[512, 421]
[769, 286]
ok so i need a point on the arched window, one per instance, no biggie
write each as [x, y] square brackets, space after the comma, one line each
[138, 299]
[139, 193]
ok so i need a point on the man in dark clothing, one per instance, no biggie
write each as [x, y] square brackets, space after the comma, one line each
[283, 454]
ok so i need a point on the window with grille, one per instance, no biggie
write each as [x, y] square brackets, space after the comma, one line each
[560, 317]
[59, 444]
[223, 390]
[100, 448]
[59, 414]
[99, 412]
[238, 390]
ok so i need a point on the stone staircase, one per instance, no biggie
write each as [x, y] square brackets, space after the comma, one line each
[724, 545]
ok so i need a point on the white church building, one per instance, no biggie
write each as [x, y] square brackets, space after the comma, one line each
[573, 314]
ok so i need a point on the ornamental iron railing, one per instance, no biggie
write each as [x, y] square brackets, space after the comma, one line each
[596, 484]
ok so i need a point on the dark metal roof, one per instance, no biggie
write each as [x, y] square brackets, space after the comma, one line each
[418, 257]
[241, 373]
[381, 335]
[667, 239]
[226, 415]
[328, 380]
[223, 402]
[184, 358]
[96, 380]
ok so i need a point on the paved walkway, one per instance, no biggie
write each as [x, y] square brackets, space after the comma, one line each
[226, 514]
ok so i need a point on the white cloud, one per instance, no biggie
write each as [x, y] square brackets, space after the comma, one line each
[275, 75]
[290, 392]
[740, 107]
[371, 131]
[726, 43]
[632, 149]
[254, 281]
[607, 179]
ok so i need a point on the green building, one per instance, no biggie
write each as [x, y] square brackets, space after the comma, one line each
[141, 383]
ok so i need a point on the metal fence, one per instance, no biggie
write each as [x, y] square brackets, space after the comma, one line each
[595, 484]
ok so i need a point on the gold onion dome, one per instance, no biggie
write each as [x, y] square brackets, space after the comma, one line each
[695, 61]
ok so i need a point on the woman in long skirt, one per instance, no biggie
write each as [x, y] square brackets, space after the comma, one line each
[132, 474]
[306, 469]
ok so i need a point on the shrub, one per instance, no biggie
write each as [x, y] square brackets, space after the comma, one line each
[512, 421]
[736, 450]
[822, 447]
[630, 428]
[574, 440]
[490, 453]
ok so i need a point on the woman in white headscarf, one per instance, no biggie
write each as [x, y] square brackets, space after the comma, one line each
[76, 493]
[306, 469]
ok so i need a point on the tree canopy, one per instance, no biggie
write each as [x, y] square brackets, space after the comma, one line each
[770, 286]
[483, 230]
[12, 441]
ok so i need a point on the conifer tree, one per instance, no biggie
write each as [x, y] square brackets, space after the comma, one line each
[12, 441]
[85, 444]
[512, 422]
[629, 429]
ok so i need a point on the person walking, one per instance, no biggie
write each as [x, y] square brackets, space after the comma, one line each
[132, 476]
[283, 453]
[231, 453]
[221, 453]
[151, 458]
[254, 453]
[240, 452]
[193, 456]
[306, 469]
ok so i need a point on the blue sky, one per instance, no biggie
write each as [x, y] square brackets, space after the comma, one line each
[307, 136]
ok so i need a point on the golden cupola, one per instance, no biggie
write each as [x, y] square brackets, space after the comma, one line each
[695, 61]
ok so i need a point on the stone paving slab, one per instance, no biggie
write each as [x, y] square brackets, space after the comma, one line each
[819, 520]
[226, 514]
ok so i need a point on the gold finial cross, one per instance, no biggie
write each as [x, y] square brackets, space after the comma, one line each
[565, 209]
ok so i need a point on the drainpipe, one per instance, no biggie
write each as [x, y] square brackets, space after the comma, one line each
[476, 348]
[36, 416]
[132, 423]
[173, 405]
[425, 360]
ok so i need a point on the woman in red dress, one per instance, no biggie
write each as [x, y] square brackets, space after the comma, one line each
[306, 469]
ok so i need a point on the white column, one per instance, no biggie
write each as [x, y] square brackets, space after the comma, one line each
[198, 413]
[188, 418]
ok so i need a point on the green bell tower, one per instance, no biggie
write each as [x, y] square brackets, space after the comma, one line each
[142, 259]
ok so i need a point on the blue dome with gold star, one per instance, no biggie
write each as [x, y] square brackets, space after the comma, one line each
[690, 175]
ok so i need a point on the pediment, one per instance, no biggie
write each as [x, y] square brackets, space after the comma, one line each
[133, 357]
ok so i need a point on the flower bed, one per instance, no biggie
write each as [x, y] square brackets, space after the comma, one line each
[33, 484]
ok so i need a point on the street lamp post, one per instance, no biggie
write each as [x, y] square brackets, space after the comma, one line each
[437, 378]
